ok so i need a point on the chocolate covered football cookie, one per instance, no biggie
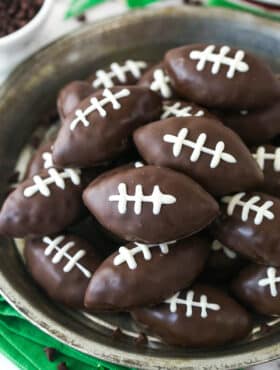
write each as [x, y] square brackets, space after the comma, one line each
[221, 77]
[258, 288]
[124, 73]
[268, 158]
[150, 204]
[249, 224]
[143, 274]
[158, 81]
[101, 127]
[202, 148]
[200, 317]
[43, 204]
[63, 266]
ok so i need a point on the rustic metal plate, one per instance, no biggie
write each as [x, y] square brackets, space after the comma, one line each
[31, 90]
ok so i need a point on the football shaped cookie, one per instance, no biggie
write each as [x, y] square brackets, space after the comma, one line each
[180, 108]
[43, 204]
[125, 73]
[150, 204]
[207, 151]
[221, 77]
[268, 158]
[254, 127]
[200, 317]
[71, 95]
[249, 224]
[258, 288]
[62, 265]
[158, 81]
[144, 274]
[101, 127]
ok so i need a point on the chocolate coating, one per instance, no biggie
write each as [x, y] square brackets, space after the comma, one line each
[71, 95]
[151, 280]
[270, 167]
[22, 216]
[172, 222]
[197, 81]
[106, 136]
[158, 81]
[226, 325]
[251, 227]
[156, 148]
[252, 288]
[254, 127]
[62, 283]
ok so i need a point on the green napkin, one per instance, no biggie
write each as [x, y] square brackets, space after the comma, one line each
[24, 345]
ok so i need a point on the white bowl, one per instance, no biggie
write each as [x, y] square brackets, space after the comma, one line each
[14, 46]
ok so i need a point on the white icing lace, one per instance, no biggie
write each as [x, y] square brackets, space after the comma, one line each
[217, 246]
[138, 164]
[105, 79]
[157, 198]
[161, 84]
[62, 252]
[176, 110]
[127, 255]
[48, 160]
[189, 302]
[97, 105]
[262, 211]
[235, 64]
[41, 185]
[261, 156]
[198, 147]
[271, 280]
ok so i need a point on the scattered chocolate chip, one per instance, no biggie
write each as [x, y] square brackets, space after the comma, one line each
[116, 333]
[141, 339]
[50, 353]
[81, 18]
[62, 366]
[14, 14]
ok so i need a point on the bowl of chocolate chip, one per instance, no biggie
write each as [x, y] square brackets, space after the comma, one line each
[140, 189]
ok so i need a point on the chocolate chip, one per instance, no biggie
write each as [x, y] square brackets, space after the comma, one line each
[116, 333]
[81, 18]
[14, 14]
[50, 353]
[62, 366]
[141, 339]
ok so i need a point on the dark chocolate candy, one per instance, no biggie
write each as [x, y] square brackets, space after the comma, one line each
[258, 288]
[140, 274]
[158, 81]
[43, 204]
[150, 204]
[118, 74]
[268, 158]
[203, 316]
[221, 77]
[181, 108]
[202, 149]
[256, 126]
[101, 127]
[249, 224]
[62, 265]
[42, 159]
[71, 96]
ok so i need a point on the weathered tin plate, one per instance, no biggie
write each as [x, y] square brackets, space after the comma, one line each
[31, 90]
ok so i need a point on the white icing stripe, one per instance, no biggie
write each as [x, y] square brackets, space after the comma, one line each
[127, 255]
[217, 246]
[248, 206]
[261, 156]
[41, 185]
[198, 147]
[97, 105]
[176, 110]
[235, 64]
[138, 164]
[62, 252]
[189, 302]
[157, 198]
[161, 84]
[271, 280]
[105, 79]
[48, 161]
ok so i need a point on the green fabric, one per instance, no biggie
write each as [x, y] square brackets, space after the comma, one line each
[24, 345]
[245, 7]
